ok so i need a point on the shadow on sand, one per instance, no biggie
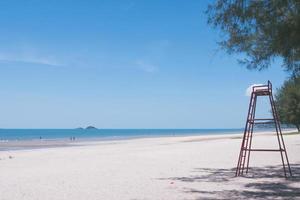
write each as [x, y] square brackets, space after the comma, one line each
[259, 183]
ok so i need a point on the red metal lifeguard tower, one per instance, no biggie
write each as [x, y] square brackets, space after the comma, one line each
[244, 156]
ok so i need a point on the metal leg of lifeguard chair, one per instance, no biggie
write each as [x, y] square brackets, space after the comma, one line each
[238, 168]
[247, 135]
[281, 143]
[251, 133]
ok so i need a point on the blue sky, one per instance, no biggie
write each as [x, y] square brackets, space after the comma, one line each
[119, 64]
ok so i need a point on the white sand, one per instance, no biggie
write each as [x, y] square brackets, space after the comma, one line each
[168, 168]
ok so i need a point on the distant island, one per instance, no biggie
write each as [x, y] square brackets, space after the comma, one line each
[87, 128]
[90, 127]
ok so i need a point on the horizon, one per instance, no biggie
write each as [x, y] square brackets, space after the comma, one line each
[98, 128]
[120, 64]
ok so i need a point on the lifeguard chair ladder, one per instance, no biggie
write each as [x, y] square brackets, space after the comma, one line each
[244, 156]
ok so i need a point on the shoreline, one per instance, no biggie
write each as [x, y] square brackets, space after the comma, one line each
[32, 144]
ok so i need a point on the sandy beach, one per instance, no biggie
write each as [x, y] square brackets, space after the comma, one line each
[191, 167]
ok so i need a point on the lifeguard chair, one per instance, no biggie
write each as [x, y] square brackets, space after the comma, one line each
[244, 156]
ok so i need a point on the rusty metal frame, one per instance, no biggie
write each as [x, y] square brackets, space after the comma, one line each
[245, 151]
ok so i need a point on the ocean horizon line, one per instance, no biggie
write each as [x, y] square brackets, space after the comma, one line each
[58, 128]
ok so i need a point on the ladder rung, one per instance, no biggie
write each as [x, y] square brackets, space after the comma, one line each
[264, 149]
[266, 122]
[259, 119]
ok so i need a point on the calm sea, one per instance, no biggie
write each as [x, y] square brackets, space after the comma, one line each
[30, 134]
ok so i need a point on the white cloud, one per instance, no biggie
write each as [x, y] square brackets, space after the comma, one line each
[155, 52]
[31, 58]
[147, 67]
[249, 89]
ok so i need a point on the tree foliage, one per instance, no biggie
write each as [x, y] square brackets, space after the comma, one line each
[287, 101]
[261, 29]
